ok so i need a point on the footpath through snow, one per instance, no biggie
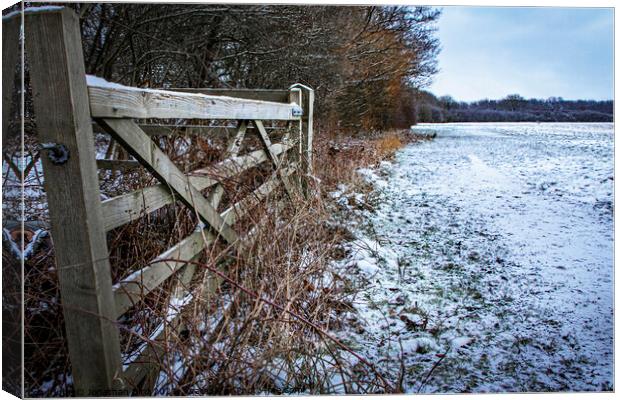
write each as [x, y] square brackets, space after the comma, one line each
[485, 260]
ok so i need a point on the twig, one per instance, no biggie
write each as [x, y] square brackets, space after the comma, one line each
[426, 378]
[317, 328]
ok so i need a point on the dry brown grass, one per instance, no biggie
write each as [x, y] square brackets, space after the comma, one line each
[266, 328]
[388, 144]
[338, 158]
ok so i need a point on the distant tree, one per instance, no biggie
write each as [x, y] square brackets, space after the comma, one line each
[447, 102]
[514, 101]
[513, 108]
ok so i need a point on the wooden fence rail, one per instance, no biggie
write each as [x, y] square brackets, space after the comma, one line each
[67, 106]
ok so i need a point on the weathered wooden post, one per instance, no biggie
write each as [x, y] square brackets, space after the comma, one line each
[11, 49]
[54, 50]
[295, 96]
[307, 103]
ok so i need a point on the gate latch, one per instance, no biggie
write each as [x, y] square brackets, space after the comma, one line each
[57, 153]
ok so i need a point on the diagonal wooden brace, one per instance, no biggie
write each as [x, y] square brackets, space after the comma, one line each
[140, 145]
[274, 159]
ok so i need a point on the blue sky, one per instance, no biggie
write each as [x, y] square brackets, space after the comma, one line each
[490, 52]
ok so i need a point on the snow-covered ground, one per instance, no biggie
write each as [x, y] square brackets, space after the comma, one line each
[488, 254]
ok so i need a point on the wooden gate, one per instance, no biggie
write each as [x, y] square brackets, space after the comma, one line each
[66, 103]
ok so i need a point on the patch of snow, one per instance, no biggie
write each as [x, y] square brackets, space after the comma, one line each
[372, 177]
[95, 81]
[175, 306]
[492, 246]
[461, 342]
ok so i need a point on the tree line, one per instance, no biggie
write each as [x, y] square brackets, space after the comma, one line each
[364, 62]
[512, 108]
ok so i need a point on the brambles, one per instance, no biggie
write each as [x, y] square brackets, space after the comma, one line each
[231, 342]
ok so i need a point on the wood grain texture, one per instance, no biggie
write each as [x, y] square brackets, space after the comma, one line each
[123, 165]
[295, 129]
[307, 136]
[309, 133]
[274, 159]
[54, 47]
[106, 102]
[272, 95]
[131, 206]
[188, 130]
[132, 290]
[146, 151]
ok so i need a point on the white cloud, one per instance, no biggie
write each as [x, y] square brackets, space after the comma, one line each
[492, 52]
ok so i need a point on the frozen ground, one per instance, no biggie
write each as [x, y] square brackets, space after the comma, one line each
[488, 254]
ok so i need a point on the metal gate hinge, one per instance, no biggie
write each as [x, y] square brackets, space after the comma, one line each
[57, 153]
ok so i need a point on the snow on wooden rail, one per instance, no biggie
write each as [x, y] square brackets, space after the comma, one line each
[111, 100]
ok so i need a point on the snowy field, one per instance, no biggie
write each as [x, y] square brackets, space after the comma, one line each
[487, 265]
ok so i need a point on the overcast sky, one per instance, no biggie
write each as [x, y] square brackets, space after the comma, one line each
[490, 52]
